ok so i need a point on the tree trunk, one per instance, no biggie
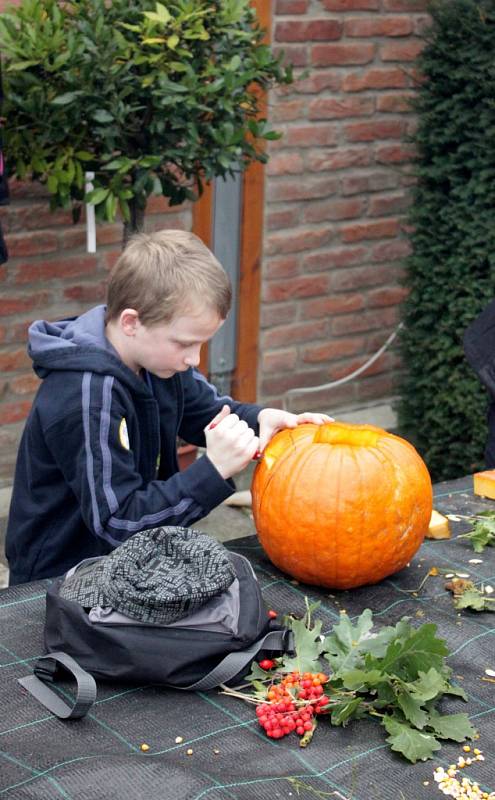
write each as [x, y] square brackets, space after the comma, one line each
[136, 222]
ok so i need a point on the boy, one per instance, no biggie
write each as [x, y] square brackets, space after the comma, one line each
[97, 460]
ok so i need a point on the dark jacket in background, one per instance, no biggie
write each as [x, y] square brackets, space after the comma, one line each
[479, 347]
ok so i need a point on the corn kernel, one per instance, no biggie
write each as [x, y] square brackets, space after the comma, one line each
[190, 751]
[145, 747]
[466, 748]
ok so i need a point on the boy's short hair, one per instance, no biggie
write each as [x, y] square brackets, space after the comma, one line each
[159, 274]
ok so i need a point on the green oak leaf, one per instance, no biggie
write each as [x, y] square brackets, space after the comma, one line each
[343, 711]
[345, 645]
[360, 679]
[411, 708]
[451, 726]
[413, 744]
[308, 646]
[428, 685]
[409, 657]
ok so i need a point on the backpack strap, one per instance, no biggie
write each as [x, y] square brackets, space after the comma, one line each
[233, 663]
[45, 670]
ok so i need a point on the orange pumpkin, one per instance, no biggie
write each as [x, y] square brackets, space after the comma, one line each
[340, 505]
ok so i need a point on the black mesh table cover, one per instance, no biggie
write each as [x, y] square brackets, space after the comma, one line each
[100, 756]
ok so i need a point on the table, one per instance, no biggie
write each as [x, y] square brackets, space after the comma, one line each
[100, 757]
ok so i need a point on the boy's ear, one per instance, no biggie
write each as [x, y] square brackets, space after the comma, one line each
[129, 321]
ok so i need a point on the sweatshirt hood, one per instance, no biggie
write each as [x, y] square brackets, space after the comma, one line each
[77, 344]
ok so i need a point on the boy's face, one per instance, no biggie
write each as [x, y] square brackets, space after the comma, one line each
[171, 347]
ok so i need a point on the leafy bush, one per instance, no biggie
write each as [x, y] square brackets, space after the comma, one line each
[152, 98]
[451, 272]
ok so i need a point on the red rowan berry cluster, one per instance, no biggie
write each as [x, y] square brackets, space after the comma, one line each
[292, 704]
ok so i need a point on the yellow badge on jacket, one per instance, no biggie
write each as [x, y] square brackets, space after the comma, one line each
[124, 434]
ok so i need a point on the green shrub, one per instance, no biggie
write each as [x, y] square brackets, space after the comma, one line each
[451, 272]
[153, 98]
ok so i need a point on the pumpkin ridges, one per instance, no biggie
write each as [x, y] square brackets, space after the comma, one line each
[333, 534]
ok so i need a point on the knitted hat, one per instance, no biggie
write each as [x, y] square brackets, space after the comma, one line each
[156, 576]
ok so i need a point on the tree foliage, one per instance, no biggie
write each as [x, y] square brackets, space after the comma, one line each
[451, 272]
[151, 97]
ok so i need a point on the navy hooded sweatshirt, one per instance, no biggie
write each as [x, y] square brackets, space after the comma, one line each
[97, 460]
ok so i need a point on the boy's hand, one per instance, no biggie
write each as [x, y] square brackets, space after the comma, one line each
[230, 443]
[272, 420]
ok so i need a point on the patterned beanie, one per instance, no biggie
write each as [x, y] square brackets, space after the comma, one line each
[157, 576]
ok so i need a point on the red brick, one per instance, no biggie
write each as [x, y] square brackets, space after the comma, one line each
[307, 189]
[388, 204]
[386, 296]
[340, 108]
[334, 210]
[110, 233]
[291, 6]
[336, 258]
[279, 361]
[25, 384]
[112, 257]
[297, 55]
[87, 293]
[366, 321]
[321, 399]
[297, 332]
[307, 286]
[30, 244]
[278, 314]
[351, 5]
[405, 5]
[315, 83]
[361, 277]
[14, 412]
[307, 30]
[394, 154]
[282, 267]
[422, 24]
[285, 164]
[34, 216]
[401, 51]
[13, 360]
[375, 129]
[377, 229]
[371, 182]
[287, 110]
[395, 103]
[158, 204]
[321, 160]
[390, 251]
[377, 386]
[19, 304]
[73, 237]
[278, 385]
[378, 26]
[26, 190]
[299, 240]
[311, 135]
[35, 271]
[375, 79]
[335, 304]
[337, 348]
[324, 55]
[285, 218]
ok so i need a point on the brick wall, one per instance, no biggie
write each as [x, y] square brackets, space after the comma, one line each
[337, 187]
[335, 191]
